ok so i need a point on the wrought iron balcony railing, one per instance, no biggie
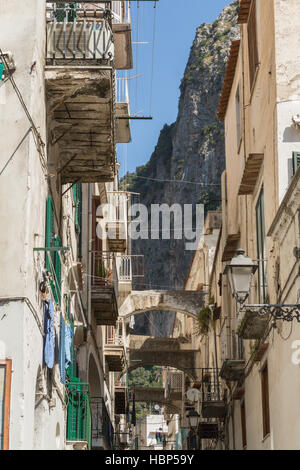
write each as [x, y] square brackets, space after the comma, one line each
[101, 423]
[103, 269]
[79, 411]
[75, 33]
[213, 405]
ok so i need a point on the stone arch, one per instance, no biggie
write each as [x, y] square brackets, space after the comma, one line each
[187, 371]
[186, 302]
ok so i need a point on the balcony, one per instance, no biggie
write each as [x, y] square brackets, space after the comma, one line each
[104, 288]
[102, 428]
[121, 26]
[208, 430]
[174, 386]
[78, 414]
[233, 370]
[114, 350]
[116, 225]
[123, 112]
[80, 90]
[232, 351]
[212, 404]
[252, 323]
[120, 400]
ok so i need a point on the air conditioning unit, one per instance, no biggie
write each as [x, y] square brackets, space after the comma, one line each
[176, 380]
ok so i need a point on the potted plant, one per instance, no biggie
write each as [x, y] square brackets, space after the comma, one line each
[204, 318]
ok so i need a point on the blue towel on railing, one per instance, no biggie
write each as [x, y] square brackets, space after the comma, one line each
[68, 345]
[62, 350]
[66, 340]
[49, 334]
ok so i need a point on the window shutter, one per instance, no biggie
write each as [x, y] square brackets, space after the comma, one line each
[1, 71]
[49, 222]
[49, 231]
[57, 266]
[296, 161]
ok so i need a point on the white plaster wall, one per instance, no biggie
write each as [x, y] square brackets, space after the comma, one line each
[287, 47]
[26, 352]
[288, 141]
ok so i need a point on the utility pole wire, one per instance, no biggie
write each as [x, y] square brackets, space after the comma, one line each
[15, 151]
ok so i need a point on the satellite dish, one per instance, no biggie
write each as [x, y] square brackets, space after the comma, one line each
[193, 394]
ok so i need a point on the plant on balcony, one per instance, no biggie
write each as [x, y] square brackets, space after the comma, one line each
[102, 272]
[204, 319]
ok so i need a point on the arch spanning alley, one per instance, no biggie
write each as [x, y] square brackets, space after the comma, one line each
[189, 371]
[187, 302]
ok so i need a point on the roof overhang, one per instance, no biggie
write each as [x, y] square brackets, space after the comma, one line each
[229, 78]
[244, 10]
[251, 172]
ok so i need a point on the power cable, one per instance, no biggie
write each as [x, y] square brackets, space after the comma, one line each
[15, 151]
[152, 66]
[177, 181]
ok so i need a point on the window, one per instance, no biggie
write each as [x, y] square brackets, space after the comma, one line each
[244, 426]
[239, 116]
[265, 400]
[296, 161]
[5, 383]
[261, 248]
[252, 43]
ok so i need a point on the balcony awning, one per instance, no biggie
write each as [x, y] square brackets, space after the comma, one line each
[251, 172]
[230, 246]
[228, 81]
[244, 9]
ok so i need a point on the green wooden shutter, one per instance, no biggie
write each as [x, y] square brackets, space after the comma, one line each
[57, 267]
[296, 161]
[49, 230]
[1, 71]
[53, 264]
[77, 197]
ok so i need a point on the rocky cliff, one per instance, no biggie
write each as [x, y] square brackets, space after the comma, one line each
[191, 150]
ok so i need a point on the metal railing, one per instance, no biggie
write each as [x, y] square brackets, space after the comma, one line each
[103, 269]
[122, 90]
[120, 12]
[231, 344]
[78, 411]
[129, 267]
[75, 33]
[101, 423]
[210, 385]
[112, 338]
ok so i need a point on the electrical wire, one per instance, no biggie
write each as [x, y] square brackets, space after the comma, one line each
[137, 51]
[177, 181]
[40, 145]
[15, 151]
[152, 65]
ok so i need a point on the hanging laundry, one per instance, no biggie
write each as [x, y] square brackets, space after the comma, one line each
[68, 345]
[62, 350]
[49, 334]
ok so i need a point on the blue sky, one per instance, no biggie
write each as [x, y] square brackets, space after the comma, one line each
[176, 23]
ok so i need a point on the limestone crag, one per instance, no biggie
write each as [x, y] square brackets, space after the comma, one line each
[191, 150]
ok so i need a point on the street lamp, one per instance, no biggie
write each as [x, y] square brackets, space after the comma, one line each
[194, 419]
[239, 272]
